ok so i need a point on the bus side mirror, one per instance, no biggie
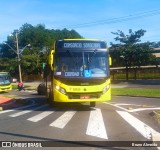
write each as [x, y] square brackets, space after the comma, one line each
[110, 61]
[51, 59]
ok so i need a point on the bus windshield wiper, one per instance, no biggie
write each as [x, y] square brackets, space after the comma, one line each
[73, 58]
[91, 58]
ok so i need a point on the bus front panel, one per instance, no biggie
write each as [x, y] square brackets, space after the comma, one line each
[94, 93]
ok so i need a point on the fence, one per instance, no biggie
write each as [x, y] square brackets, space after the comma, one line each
[144, 72]
[32, 77]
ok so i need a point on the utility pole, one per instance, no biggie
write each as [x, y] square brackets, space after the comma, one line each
[18, 52]
[19, 64]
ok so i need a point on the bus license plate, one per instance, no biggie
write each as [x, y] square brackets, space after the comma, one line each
[84, 97]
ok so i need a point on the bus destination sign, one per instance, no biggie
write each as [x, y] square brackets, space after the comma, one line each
[81, 45]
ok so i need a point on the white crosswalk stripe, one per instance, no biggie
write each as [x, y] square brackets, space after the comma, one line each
[40, 116]
[24, 107]
[63, 120]
[141, 127]
[27, 111]
[96, 125]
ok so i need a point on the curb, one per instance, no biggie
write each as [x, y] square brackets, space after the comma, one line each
[13, 103]
[135, 96]
[156, 116]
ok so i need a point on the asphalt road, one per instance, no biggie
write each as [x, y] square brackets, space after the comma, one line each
[122, 119]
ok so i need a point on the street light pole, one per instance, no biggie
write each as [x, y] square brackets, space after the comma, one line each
[19, 65]
[18, 52]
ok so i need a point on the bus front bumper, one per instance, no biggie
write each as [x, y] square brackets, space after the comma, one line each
[5, 88]
[82, 97]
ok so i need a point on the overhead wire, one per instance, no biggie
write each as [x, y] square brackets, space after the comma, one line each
[115, 20]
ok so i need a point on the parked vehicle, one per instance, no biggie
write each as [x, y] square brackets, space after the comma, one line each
[5, 82]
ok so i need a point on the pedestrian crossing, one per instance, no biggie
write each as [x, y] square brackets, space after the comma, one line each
[27, 111]
[95, 125]
[40, 116]
[62, 121]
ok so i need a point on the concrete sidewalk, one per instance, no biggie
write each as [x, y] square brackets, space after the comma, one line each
[136, 84]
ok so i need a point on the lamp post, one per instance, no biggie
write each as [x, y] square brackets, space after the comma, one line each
[19, 65]
[17, 51]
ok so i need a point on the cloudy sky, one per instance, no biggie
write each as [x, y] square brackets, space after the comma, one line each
[90, 18]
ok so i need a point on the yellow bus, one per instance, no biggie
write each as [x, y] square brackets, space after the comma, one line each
[79, 71]
[5, 82]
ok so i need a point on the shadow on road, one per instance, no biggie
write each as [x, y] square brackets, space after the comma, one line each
[33, 103]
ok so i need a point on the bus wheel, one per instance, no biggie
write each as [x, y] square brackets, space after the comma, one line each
[92, 104]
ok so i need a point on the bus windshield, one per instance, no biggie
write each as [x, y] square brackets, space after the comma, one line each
[4, 79]
[84, 64]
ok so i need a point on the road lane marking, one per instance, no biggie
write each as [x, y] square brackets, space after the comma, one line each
[40, 116]
[96, 125]
[5, 111]
[116, 106]
[27, 111]
[124, 104]
[141, 109]
[63, 120]
[133, 110]
[119, 104]
[19, 108]
[141, 127]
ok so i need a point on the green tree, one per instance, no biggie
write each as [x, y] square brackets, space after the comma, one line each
[130, 51]
[41, 41]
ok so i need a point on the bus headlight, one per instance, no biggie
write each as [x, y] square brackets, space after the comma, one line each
[60, 89]
[106, 88]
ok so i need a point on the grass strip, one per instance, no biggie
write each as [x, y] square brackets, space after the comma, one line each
[136, 92]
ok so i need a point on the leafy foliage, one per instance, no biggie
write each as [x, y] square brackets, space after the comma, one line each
[129, 52]
[41, 41]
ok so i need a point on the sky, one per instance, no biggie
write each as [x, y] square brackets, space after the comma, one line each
[90, 18]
